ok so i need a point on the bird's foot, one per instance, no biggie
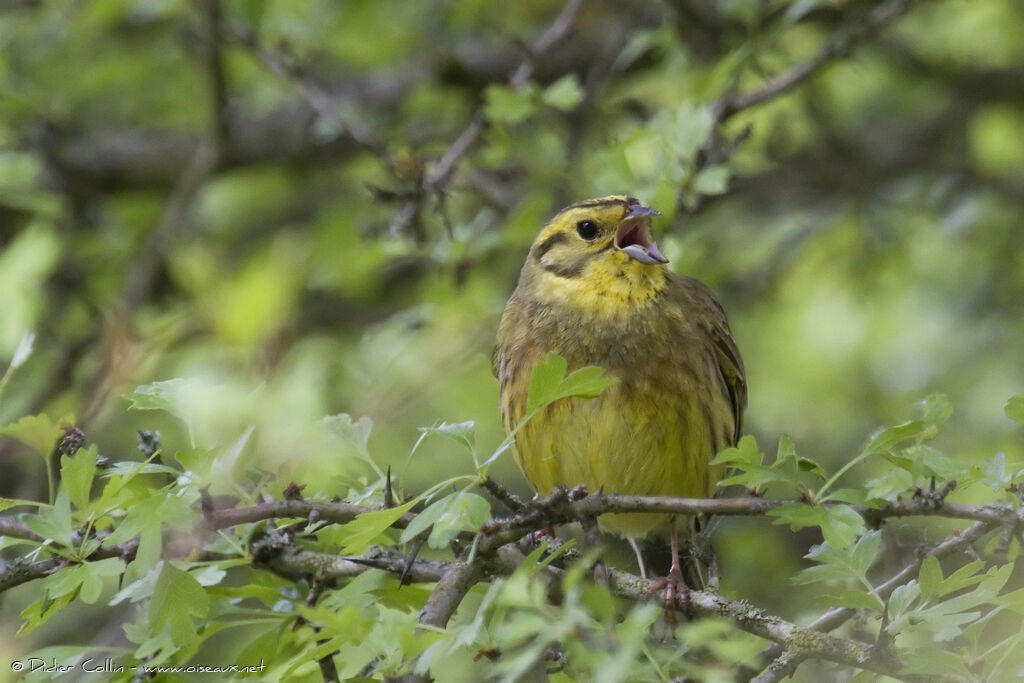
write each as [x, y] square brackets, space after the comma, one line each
[677, 593]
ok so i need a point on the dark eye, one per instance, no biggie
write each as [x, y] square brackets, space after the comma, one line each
[587, 230]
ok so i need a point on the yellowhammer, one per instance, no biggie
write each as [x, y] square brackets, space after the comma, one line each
[595, 290]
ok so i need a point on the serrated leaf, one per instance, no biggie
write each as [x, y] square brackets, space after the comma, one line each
[40, 611]
[548, 383]
[994, 470]
[895, 481]
[799, 515]
[837, 564]
[166, 395]
[364, 530]
[177, 597]
[936, 410]
[743, 455]
[462, 432]
[355, 432]
[928, 461]
[55, 522]
[842, 526]
[38, 432]
[93, 575]
[467, 512]
[786, 450]
[76, 475]
[902, 597]
[886, 439]
[1015, 408]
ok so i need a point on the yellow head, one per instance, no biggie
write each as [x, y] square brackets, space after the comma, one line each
[597, 256]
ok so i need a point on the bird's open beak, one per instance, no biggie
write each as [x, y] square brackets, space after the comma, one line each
[634, 237]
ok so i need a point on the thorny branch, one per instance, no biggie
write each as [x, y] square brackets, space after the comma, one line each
[497, 553]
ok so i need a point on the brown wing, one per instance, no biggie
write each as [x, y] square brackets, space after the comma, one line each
[715, 326]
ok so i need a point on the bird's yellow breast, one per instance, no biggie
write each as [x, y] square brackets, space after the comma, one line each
[652, 433]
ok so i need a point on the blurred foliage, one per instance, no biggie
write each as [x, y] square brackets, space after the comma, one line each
[228, 203]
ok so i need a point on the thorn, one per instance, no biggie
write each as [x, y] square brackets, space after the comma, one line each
[410, 560]
[389, 493]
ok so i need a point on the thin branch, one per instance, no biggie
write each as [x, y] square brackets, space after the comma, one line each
[214, 64]
[838, 46]
[436, 177]
[319, 99]
[836, 617]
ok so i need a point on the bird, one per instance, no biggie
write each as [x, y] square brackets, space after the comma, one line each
[595, 289]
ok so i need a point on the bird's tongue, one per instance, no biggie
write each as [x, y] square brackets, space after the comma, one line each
[634, 239]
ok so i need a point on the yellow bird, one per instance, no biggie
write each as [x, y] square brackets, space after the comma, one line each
[595, 290]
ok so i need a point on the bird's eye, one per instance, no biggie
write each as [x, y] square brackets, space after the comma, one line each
[587, 230]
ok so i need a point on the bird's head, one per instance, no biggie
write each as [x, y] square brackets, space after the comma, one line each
[597, 255]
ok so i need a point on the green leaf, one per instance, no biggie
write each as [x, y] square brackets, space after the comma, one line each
[885, 440]
[93, 575]
[361, 532]
[840, 524]
[799, 515]
[692, 126]
[54, 523]
[936, 410]
[855, 599]
[564, 94]
[423, 520]
[901, 598]
[166, 395]
[548, 384]
[38, 432]
[1015, 408]
[504, 105]
[41, 610]
[466, 512]
[7, 503]
[743, 455]
[177, 597]
[77, 473]
[930, 661]
[842, 564]
[355, 432]
[713, 180]
[929, 578]
[462, 432]
[544, 381]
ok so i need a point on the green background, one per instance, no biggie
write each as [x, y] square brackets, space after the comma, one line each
[864, 238]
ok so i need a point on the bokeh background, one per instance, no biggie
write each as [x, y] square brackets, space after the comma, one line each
[246, 195]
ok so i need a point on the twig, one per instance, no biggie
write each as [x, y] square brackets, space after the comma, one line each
[319, 100]
[214, 63]
[836, 47]
[835, 617]
[436, 177]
